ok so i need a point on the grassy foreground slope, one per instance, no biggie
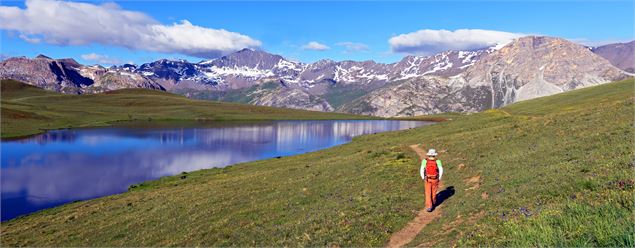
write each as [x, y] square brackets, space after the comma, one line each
[551, 171]
[29, 110]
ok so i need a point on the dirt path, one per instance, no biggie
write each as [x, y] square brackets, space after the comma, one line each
[408, 233]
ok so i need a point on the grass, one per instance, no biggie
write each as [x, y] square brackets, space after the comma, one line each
[525, 175]
[29, 110]
[554, 171]
[434, 117]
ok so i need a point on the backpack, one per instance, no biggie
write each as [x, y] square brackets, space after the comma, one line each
[431, 168]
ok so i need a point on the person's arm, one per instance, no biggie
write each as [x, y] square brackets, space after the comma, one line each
[422, 170]
[440, 166]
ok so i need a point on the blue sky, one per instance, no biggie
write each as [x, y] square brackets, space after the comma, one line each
[343, 30]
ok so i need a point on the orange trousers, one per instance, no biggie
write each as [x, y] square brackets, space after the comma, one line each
[431, 186]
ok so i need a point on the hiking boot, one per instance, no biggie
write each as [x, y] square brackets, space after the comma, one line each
[429, 209]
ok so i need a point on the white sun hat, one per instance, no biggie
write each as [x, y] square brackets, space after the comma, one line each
[432, 152]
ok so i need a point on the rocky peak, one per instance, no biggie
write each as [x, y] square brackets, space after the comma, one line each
[42, 56]
[58, 75]
[535, 66]
[248, 58]
[69, 62]
[174, 70]
[68, 76]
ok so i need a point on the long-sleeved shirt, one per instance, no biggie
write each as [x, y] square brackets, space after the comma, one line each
[422, 170]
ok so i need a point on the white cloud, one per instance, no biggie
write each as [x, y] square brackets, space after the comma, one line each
[101, 59]
[316, 46]
[74, 23]
[429, 41]
[353, 46]
[33, 40]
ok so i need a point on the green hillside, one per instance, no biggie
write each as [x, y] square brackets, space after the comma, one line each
[555, 171]
[29, 110]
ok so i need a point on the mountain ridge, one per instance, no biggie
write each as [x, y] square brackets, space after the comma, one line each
[526, 68]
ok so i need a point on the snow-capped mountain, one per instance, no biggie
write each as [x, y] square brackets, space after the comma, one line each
[449, 81]
[248, 67]
[526, 68]
[445, 64]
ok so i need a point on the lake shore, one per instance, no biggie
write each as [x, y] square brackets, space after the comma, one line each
[118, 157]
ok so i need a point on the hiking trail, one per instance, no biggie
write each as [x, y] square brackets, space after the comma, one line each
[423, 218]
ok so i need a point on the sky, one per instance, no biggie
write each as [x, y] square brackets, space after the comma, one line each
[115, 32]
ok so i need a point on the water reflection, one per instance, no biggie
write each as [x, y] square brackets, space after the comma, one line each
[67, 165]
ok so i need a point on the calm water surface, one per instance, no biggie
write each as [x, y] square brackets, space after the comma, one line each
[68, 165]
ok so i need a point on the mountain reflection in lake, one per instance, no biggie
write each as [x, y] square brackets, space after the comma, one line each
[67, 165]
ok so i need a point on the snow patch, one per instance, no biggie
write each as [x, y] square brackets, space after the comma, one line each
[439, 67]
[241, 71]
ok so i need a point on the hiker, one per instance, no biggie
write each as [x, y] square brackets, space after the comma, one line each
[431, 172]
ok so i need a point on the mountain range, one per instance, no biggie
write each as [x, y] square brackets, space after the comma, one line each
[457, 81]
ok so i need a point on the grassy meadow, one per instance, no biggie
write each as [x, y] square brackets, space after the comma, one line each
[29, 110]
[553, 171]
